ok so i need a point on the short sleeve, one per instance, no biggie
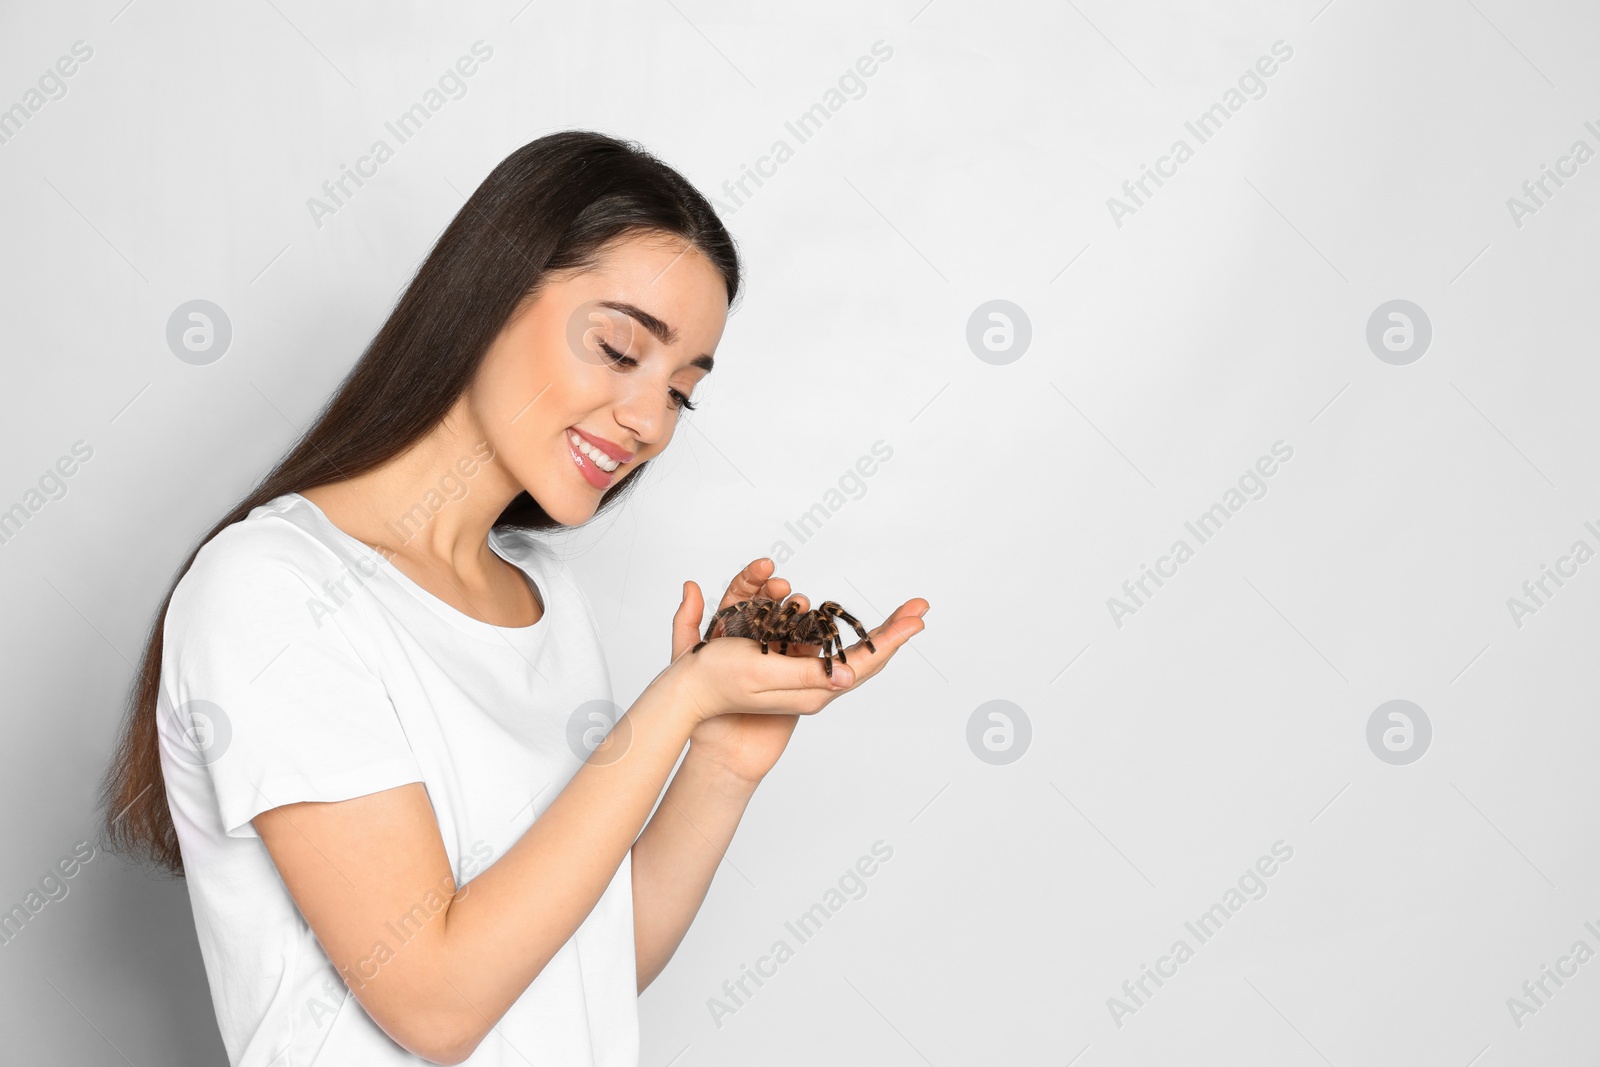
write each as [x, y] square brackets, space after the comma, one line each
[263, 687]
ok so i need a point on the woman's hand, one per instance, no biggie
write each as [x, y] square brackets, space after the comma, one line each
[749, 703]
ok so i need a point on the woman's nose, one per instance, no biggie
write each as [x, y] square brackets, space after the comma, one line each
[648, 412]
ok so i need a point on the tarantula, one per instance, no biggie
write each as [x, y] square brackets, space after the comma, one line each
[768, 621]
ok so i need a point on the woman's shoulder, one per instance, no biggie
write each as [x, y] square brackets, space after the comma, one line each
[279, 549]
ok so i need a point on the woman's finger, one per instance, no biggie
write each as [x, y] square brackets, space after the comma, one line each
[748, 582]
[911, 609]
[886, 641]
[775, 589]
[780, 674]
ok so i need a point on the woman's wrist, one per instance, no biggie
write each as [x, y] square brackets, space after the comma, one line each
[668, 700]
[713, 774]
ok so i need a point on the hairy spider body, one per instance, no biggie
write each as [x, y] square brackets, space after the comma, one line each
[773, 622]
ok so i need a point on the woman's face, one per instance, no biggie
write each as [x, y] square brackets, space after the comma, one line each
[655, 301]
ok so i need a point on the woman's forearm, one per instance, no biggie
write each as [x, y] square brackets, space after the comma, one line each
[676, 856]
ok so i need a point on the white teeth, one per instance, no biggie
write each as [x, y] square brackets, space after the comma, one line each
[599, 458]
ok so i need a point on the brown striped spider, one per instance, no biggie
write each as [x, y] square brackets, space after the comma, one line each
[769, 621]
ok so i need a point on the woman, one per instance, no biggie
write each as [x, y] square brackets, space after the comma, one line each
[362, 728]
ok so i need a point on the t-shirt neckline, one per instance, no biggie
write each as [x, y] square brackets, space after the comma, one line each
[516, 635]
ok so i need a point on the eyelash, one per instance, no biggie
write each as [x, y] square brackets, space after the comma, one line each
[617, 357]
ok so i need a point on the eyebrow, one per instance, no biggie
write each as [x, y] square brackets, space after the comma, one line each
[658, 329]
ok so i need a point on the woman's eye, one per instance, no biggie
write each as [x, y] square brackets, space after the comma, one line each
[618, 357]
[678, 398]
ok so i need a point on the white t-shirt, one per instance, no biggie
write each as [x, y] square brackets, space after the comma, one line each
[299, 664]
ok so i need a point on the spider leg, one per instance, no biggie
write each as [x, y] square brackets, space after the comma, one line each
[731, 609]
[786, 625]
[833, 638]
[833, 608]
[712, 625]
[765, 625]
[827, 659]
[823, 634]
[807, 630]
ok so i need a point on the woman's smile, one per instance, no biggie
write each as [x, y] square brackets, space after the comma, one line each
[598, 468]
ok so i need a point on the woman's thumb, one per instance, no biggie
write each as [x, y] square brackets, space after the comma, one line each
[809, 673]
[683, 611]
[686, 622]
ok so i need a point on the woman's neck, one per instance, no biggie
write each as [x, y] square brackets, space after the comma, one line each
[434, 503]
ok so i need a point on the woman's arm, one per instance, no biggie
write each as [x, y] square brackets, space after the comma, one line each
[361, 869]
[677, 855]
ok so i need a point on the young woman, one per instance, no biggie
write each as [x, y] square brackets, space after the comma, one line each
[363, 725]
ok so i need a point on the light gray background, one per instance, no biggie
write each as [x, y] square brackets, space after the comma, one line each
[1168, 353]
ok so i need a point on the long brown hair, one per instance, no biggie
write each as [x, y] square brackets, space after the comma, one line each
[552, 205]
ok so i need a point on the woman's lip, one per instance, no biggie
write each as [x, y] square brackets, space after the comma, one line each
[616, 452]
[592, 474]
